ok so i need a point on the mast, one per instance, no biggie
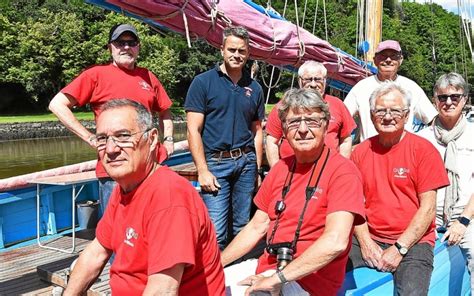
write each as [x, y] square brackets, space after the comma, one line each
[373, 18]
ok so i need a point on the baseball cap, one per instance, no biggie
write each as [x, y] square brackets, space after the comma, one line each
[388, 44]
[118, 30]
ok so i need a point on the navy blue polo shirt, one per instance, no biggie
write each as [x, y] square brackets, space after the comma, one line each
[229, 109]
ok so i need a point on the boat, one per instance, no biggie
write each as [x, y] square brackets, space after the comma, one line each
[18, 206]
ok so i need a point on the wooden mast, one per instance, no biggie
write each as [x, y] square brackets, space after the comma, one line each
[373, 26]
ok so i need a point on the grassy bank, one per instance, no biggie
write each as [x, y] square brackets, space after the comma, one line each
[79, 115]
[42, 117]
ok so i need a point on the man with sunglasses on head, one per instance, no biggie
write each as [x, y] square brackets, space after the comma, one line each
[401, 173]
[117, 79]
[312, 75]
[307, 208]
[453, 136]
[388, 59]
[156, 222]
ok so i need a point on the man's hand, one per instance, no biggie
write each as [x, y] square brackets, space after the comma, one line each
[390, 260]
[208, 181]
[261, 283]
[454, 234]
[169, 146]
[371, 252]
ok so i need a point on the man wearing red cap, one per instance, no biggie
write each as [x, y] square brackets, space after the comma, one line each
[388, 58]
[121, 78]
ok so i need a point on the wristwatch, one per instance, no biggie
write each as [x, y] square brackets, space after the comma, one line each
[464, 221]
[168, 139]
[401, 249]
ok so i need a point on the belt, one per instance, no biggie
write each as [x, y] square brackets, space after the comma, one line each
[234, 153]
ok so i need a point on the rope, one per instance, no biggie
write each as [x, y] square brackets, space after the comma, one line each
[325, 20]
[315, 16]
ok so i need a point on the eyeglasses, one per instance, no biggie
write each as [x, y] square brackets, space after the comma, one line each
[454, 97]
[311, 122]
[311, 79]
[122, 43]
[393, 57]
[122, 139]
[395, 113]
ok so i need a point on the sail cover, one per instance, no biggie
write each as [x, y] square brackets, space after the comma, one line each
[273, 40]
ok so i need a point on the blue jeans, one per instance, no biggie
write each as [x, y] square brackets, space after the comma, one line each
[413, 274]
[237, 179]
[106, 185]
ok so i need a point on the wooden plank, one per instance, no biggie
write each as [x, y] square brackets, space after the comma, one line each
[187, 170]
[18, 274]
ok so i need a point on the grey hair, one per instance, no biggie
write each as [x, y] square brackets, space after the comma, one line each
[302, 99]
[144, 117]
[239, 32]
[312, 64]
[451, 79]
[388, 87]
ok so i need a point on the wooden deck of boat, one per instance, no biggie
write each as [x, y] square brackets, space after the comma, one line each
[32, 270]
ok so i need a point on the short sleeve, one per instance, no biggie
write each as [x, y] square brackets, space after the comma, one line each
[431, 170]
[273, 125]
[351, 101]
[104, 228]
[424, 110]
[346, 193]
[196, 97]
[348, 123]
[81, 88]
[163, 100]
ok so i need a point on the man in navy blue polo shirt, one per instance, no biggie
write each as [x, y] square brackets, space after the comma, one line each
[225, 108]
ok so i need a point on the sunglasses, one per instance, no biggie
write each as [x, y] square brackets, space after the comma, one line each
[123, 43]
[393, 57]
[454, 97]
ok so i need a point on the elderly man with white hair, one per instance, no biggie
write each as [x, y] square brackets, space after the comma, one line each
[401, 173]
[307, 206]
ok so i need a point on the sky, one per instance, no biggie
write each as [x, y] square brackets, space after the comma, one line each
[450, 5]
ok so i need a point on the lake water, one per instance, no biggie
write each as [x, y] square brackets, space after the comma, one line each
[27, 156]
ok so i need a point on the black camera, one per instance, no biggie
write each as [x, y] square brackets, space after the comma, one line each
[283, 252]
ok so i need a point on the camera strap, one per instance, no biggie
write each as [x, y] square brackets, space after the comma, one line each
[317, 171]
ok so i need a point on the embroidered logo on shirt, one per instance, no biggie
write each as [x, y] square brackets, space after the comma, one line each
[129, 235]
[318, 191]
[248, 91]
[144, 85]
[401, 172]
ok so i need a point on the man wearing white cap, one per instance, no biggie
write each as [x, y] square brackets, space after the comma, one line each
[121, 78]
[388, 58]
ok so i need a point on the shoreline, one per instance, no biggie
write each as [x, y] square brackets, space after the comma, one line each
[48, 129]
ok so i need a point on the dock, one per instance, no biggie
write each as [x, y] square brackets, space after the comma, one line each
[31, 270]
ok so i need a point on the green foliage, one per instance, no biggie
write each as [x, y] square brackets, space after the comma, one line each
[44, 44]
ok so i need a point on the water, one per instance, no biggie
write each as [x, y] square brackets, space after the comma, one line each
[27, 156]
[32, 155]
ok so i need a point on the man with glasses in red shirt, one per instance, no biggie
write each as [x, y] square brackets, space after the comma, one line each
[156, 222]
[307, 208]
[121, 78]
[388, 59]
[400, 173]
